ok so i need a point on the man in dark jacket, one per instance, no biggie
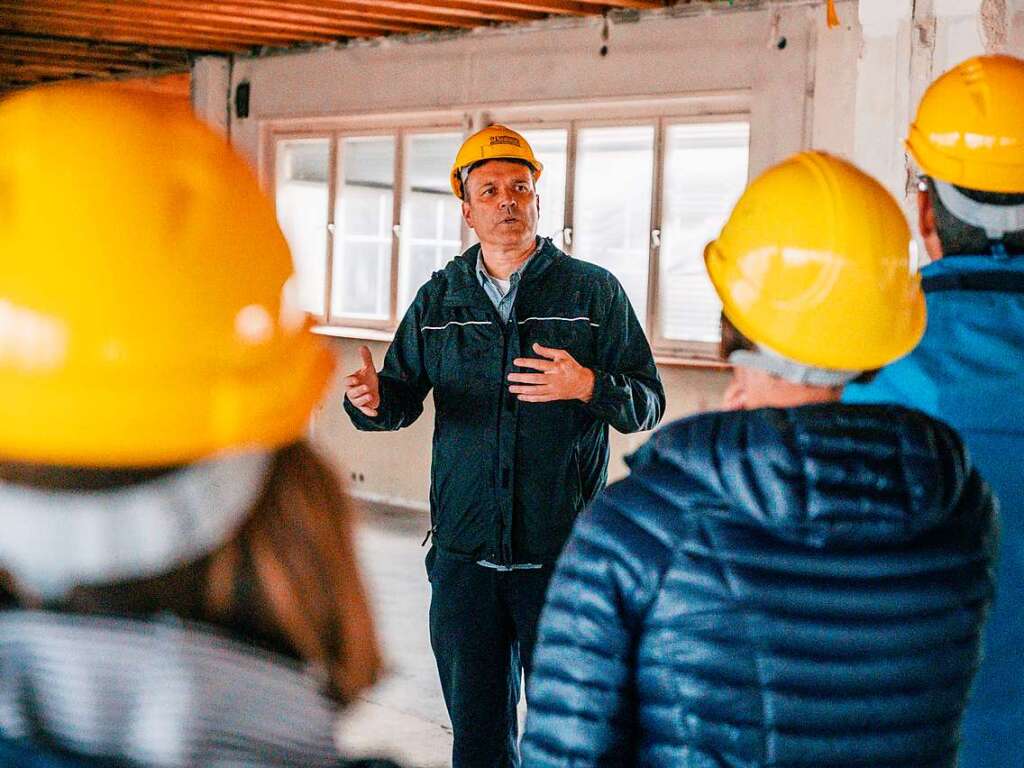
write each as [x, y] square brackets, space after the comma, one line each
[967, 370]
[796, 582]
[531, 355]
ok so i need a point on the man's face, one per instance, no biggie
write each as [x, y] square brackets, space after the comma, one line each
[501, 204]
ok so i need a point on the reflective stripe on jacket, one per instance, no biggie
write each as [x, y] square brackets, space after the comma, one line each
[507, 477]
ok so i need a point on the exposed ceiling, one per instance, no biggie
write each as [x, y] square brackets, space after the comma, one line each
[47, 40]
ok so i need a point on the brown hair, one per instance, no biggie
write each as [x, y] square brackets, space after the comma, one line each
[286, 581]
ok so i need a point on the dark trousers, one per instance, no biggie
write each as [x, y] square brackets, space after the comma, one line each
[483, 626]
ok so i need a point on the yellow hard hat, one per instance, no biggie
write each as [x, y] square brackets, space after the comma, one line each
[969, 129]
[495, 142]
[814, 264]
[146, 315]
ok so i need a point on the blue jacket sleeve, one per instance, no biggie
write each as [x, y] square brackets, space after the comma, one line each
[404, 381]
[628, 394]
[581, 690]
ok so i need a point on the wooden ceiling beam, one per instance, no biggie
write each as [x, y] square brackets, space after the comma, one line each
[56, 69]
[320, 14]
[640, 5]
[469, 9]
[43, 57]
[251, 17]
[194, 43]
[9, 47]
[84, 45]
[44, 13]
[543, 7]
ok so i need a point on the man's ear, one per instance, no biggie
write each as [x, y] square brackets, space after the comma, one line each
[926, 225]
[467, 214]
[734, 398]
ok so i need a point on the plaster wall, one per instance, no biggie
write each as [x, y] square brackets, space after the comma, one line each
[801, 81]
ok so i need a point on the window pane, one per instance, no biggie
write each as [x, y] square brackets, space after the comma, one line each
[301, 192]
[361, 283]
[550, 148]
[705, 173]
[431, 216]
[613, 204]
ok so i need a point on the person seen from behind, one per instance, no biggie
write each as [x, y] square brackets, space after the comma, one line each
[793, 581]
[178, 580]
[968, 142]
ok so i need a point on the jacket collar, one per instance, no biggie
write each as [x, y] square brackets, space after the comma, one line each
[821, 475]
[967, 264]
[546, 255]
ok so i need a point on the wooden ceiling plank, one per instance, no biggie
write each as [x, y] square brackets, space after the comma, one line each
[543, 7]
[252, 17]
[468, 8]
[54, 68]
[189, 42]
[12, 47]
[83, 45]
[639, 5]
[171, 24]
[369, 10]
[304, 14]
[77, 58]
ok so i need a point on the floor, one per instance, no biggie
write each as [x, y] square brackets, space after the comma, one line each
[404, 716]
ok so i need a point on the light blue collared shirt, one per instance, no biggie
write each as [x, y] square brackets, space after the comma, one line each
[501, 303]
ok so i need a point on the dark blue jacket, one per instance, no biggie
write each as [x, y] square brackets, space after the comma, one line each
[969, 371]
[508, 478]
[801, 587]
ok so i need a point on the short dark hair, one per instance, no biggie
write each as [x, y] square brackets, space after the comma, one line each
[733, 340]
[958, 238]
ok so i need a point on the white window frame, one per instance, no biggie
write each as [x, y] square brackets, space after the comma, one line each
[660, 112]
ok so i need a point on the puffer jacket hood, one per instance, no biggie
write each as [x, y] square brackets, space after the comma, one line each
[820, 475]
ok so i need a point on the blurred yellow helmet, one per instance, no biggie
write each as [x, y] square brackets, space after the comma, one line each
[969, 129]
[146, 308]
[495, 142]
[814, 265]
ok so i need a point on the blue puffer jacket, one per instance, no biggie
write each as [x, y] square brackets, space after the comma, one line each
[801, 587]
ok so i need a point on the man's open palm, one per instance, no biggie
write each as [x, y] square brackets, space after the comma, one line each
[362, 388]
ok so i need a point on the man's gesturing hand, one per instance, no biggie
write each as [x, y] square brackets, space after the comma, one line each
[362, 388]
[560, 377]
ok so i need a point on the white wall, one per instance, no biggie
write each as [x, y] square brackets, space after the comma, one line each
[851, 90]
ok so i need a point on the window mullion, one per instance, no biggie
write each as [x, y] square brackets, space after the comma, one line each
[570, 187]
[653, 308]
[396, 219]
[332, 191]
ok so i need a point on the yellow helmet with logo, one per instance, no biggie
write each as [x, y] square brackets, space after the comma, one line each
[814, 264]
[146, 307]
[495, 142]
[969, 129]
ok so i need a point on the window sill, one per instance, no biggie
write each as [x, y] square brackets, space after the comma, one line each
[693, 361]
[353, 332]
[699, 362]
